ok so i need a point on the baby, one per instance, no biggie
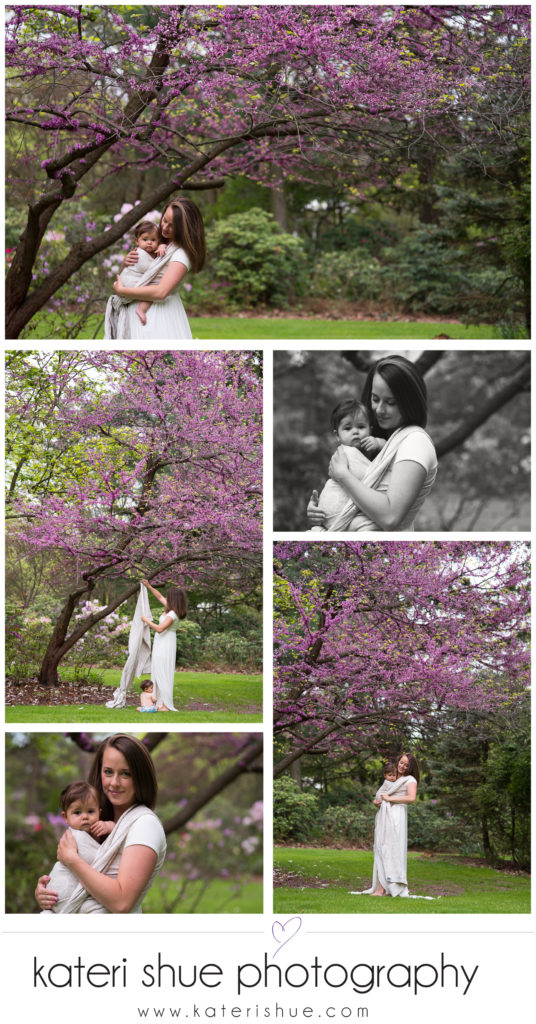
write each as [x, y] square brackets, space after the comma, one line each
[351, 425]
[389, 776]
[148, 241]
[80, 810]
[147, 701]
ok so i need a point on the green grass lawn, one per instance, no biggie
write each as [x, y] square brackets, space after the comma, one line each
[322, 880]
[266, 328]
[219, 898]
[200, 696]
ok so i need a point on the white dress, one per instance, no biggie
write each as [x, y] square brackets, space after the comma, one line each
[163, 662]
[166, 320]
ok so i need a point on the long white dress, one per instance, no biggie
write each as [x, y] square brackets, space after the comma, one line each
[163, 662]
[166, 320]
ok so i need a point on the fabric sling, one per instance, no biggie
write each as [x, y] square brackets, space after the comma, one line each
[373, 476]
[139, 652]
[105, 857]
[116, 316]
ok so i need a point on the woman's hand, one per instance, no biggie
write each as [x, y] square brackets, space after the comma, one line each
[146, 583]
[377, 803]
[315, 515]
[119, 288]
[131, 258]
[102, 828]
[67, 849]
[386, 797]
[339, 465]
[46, 898]
[146, 619]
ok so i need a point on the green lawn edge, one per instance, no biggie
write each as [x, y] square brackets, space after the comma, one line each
[292, 328]
[476, 889]
[238, 698]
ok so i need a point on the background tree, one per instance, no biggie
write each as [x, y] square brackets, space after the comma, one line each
[126, 464]
[479, 420]
[187, 96]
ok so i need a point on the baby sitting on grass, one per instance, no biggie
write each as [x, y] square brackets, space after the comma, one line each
[147, 701]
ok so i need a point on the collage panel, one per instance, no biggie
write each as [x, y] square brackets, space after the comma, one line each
[401, 727]
[435, 440]
[133, 543]
[161, 823]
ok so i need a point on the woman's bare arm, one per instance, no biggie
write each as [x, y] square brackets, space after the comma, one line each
[409, 799]
[159, 597]
[159, 627]
[386, 509]
[155, 292]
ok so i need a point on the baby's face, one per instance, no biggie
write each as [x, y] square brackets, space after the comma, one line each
[390, 777]
[82, 814]
[148, 242]
[353, 429]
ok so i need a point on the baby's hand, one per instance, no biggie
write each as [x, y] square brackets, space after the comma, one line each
[102, 828]
[372, 445]
[161, 249]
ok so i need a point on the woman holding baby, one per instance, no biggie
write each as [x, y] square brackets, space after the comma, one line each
[146, 305]
[391, 830]
[134, 847]
[391, 491]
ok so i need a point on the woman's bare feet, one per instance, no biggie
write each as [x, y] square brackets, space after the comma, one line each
[379, 892]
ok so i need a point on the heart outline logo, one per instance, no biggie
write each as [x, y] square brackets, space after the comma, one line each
[280, 929]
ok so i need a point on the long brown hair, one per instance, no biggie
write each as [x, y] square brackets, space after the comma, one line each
[141, 765]
[407, 385]
[413, 766]
[176, 601]
[188, 230]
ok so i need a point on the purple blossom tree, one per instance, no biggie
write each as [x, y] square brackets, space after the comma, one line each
[188, 95]
[137, 464]
[374, 638]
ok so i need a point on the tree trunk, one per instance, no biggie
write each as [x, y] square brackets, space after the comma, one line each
[278, 205]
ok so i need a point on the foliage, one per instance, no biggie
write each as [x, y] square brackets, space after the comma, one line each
[252, 261]
[295, 812]
[349, 823]
[350, 274]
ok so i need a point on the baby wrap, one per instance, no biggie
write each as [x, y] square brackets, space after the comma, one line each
[373, 476]
[80, 902]
[391, 843]
[62, 879]
[333, 498]
[139, 652]
[116, 319]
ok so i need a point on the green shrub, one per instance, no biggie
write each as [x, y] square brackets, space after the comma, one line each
[295, 812]
[352, 274]
[252, 261]
[348, 823]
[431, 828]
[232, 650]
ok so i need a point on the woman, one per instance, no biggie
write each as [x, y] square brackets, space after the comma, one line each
[164, 652]
[391, 831]
[131, 856]
[403, 471]
[182, 228]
